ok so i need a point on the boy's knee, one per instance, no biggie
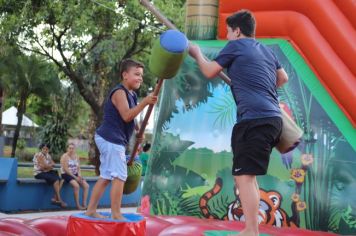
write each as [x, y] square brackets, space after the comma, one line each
[104, 182]
[244, 179]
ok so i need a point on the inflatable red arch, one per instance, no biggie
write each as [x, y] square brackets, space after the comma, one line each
[321, 30]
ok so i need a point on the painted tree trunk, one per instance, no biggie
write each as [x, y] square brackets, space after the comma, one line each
[201, 19]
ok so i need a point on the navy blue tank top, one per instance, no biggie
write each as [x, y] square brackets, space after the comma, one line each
[113, 128]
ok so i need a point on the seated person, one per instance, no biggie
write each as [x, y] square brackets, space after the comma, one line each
[43, 169]
[70, 170]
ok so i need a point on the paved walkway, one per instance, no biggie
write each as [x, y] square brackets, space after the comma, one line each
[34, 215]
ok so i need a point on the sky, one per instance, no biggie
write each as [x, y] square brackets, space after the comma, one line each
[197, 125]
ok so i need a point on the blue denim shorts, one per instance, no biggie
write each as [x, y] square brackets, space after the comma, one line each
[112, 159]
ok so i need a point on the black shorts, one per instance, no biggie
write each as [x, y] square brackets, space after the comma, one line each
[67, 177]
[252, 142]
[50, 176]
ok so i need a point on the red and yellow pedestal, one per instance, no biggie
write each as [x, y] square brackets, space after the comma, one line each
[80, 224]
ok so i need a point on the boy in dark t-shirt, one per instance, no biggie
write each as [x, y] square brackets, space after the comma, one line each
[255, 75]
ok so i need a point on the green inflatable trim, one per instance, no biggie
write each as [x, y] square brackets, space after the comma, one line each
[310, 80]
[164, 64]
[225, 233]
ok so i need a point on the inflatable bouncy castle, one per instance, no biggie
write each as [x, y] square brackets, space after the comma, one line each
[313, 186]
[188, 188]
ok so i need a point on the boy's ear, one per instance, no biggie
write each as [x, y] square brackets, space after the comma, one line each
[237, 32]
[123, 75]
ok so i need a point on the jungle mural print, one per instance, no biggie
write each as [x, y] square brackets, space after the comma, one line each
[313, 186]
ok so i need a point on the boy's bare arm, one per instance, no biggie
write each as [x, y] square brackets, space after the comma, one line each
[282, 77]
[210, 69]
[121, 104]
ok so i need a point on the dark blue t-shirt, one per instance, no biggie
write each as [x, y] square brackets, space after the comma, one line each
[252, 68]
[113, 128]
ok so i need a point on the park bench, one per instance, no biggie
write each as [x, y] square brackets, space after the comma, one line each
[24, 194]
[32, 180]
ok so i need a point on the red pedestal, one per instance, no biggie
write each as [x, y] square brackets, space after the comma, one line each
[80, 224]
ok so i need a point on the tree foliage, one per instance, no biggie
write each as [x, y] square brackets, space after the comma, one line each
[86, 39]
[22, 76]
[64, 113]
[55, 133]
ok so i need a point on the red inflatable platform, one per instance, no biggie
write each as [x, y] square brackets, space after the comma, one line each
[80, 224]
[137, 225]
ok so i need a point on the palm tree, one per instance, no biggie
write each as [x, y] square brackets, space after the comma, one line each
[23, 76]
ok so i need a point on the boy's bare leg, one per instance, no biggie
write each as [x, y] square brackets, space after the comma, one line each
[117, 188]
[249, 196]
[258, 191]
[97, 192]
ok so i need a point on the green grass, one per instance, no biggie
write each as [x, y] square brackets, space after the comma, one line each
[24, 172]
[82, 153]
[7, 151]
[27, 172]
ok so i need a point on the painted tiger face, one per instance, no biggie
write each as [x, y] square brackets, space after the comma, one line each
[269, 212]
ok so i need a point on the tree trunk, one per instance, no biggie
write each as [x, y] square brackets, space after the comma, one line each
[96, 117]
[2, 139]
[1, 104]
[21, 109]
[93, 154]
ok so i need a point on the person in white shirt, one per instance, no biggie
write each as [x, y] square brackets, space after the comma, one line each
[70, 170]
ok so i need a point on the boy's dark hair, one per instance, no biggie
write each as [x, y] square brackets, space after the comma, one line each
[146, 147]
[126, 64]
[42, 145]
[244, 20]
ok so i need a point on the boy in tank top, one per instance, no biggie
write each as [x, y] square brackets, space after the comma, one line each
[114, 134]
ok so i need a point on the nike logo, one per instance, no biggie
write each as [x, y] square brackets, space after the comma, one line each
[236, 170]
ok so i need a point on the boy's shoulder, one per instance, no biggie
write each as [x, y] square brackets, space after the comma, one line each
[121, 87]
[244, 44]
